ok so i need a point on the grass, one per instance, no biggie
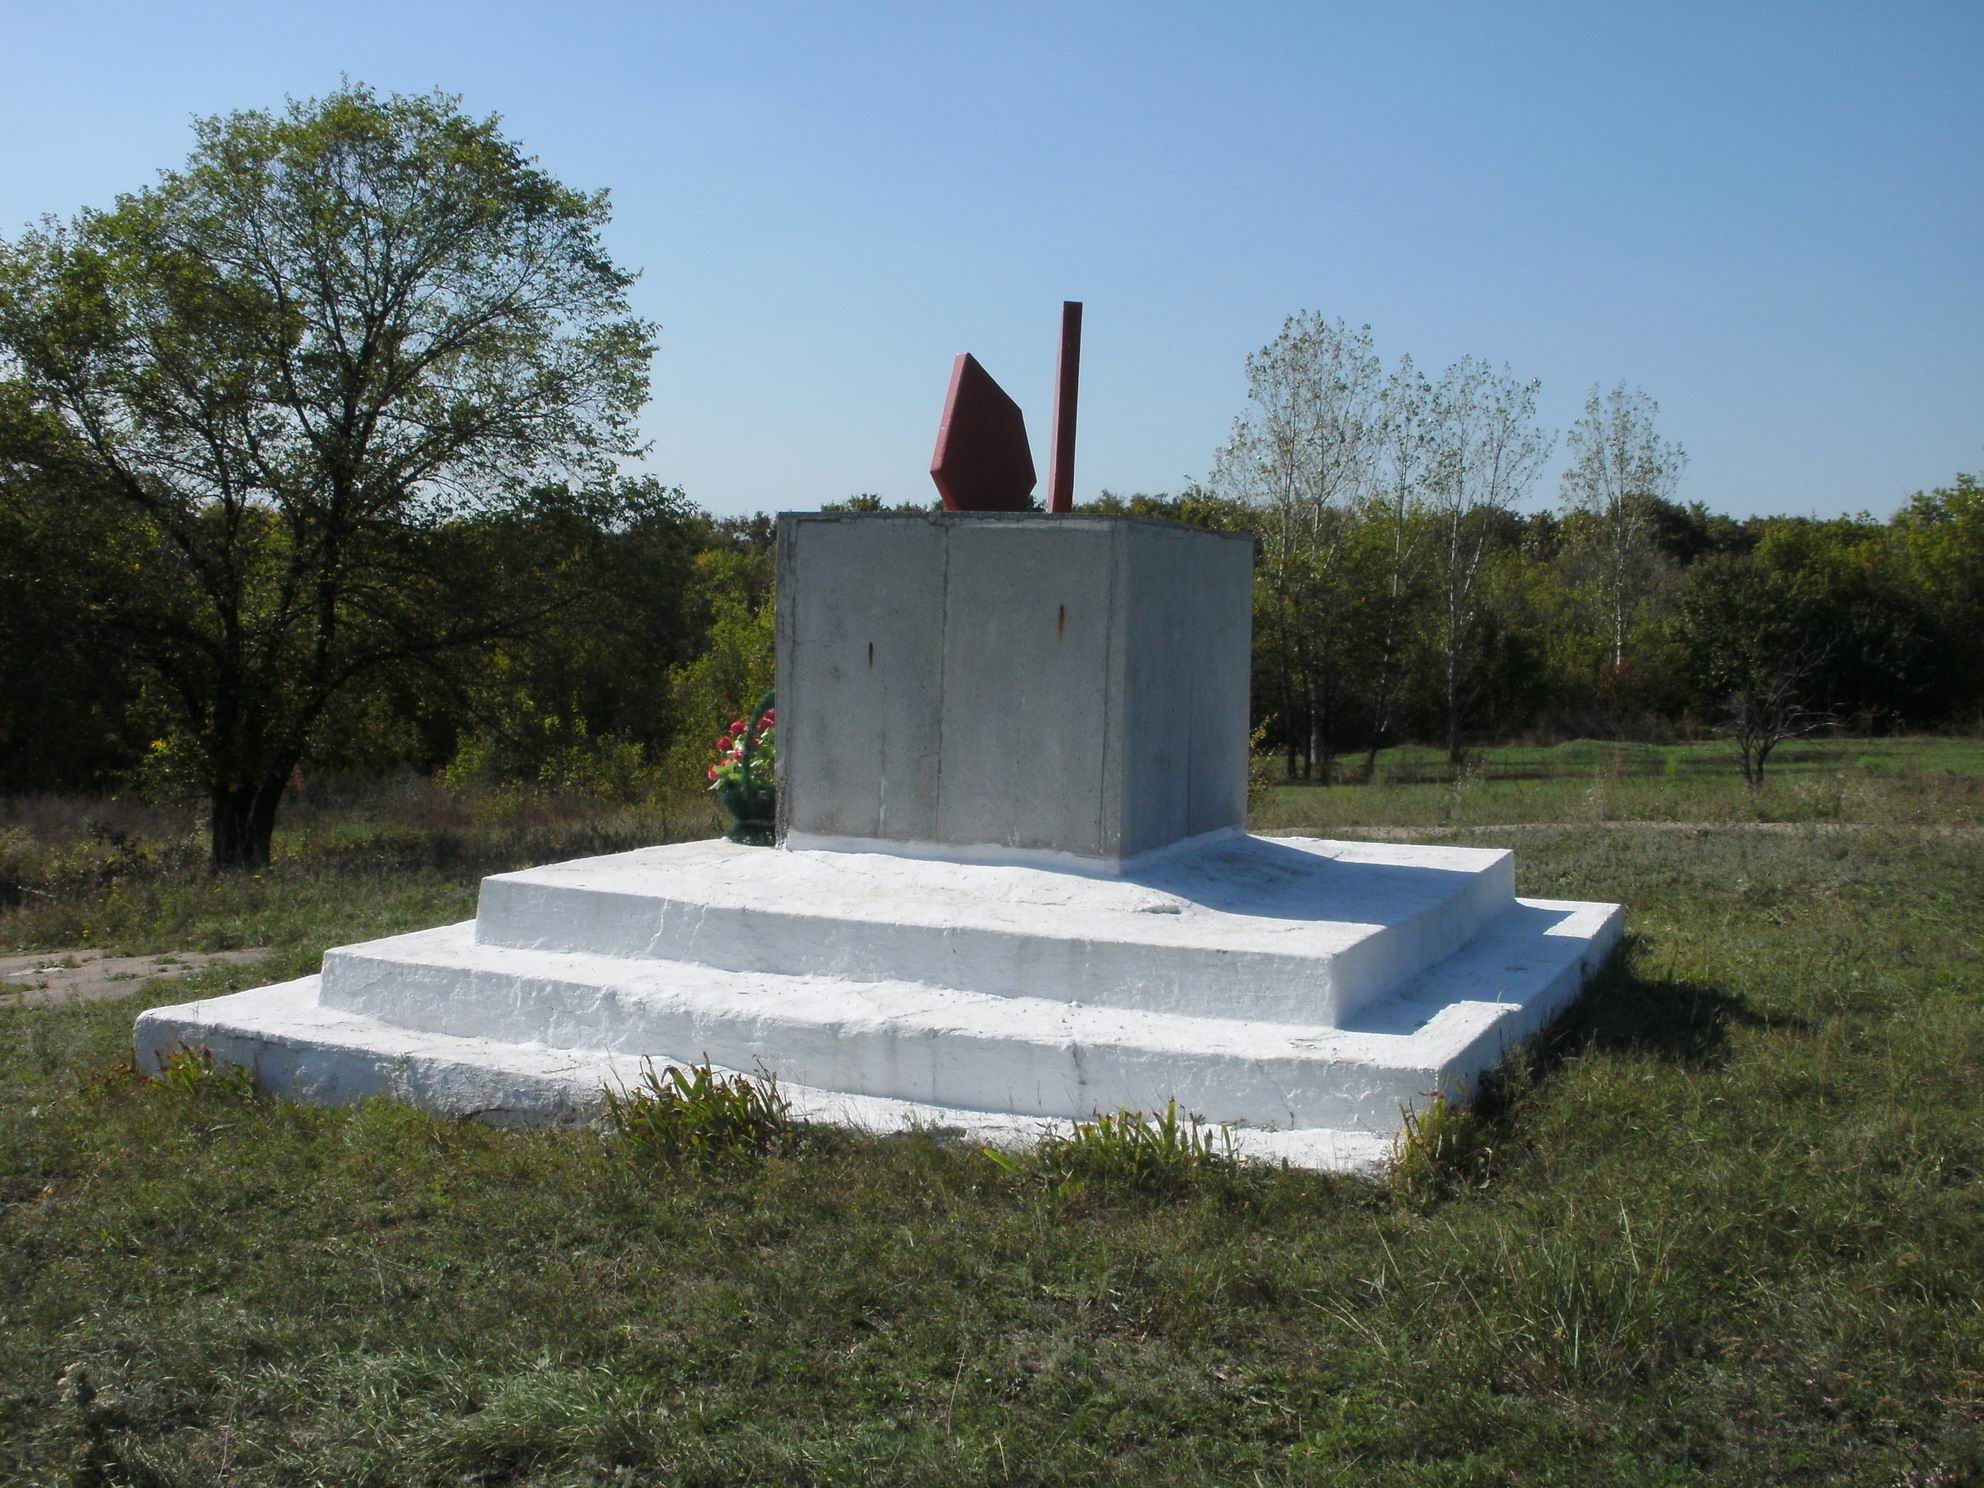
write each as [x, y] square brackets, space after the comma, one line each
[1933, 782]
[130, 879]
[1726, 1226]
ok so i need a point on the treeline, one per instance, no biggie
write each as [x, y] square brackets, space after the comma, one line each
[1853, 622]
[607, 632]
[1404, 594]
[644, 629]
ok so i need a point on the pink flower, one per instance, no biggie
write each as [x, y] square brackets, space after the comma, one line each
[712, 772]
[723, 743]
[737, 726]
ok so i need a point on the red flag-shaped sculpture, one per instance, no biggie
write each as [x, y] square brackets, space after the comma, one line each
[982, 462]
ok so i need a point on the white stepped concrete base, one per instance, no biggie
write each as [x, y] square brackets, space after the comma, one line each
[1280, 930]
[302, 1050]
[892, 992]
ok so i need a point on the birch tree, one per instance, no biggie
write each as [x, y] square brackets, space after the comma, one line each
[1301, 455]
[1398, 499]
[1486, 452]
[1620, 467]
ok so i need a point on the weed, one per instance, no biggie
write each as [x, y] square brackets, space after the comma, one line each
[1263, 770]
[1439, 1148]
[1129, 1151]
[701, 1117]
[192, 1071]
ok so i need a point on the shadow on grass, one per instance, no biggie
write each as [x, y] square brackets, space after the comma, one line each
[1622, 1014]
[1670, 1018]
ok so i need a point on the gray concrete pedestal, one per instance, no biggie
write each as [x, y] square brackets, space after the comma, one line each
[1011, 683]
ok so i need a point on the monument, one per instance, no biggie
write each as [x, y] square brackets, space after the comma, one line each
[1012, 885]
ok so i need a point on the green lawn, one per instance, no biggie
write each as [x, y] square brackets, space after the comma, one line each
[1727, 1227]
[1934, 781]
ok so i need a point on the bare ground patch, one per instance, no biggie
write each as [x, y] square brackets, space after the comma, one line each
[47, 978]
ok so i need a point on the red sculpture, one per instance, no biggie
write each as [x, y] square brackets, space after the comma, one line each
[1067, 386]
[982, 462]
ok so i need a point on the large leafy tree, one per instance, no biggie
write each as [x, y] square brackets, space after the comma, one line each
[318, 390]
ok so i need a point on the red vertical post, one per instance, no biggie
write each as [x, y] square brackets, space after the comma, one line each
[1067, 386]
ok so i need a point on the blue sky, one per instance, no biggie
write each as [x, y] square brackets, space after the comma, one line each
[1768, 216]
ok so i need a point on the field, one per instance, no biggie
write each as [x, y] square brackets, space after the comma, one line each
[1726, 1225]
[1846, 781]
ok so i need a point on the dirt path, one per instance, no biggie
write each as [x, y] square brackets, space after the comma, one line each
[52, 977]
[1390, 834]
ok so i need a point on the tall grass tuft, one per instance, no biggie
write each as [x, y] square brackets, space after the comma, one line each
[193, 1072]
[1439, 1149]
[1126, 1152]
[697, 1116]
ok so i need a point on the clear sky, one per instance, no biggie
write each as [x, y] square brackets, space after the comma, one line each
[1768, 216]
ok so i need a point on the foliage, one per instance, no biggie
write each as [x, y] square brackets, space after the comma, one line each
[1488, 453]
[1752, 655]
[554, 752]
[1300, 456]
[578, 636]
[731, 593]
[317, 398]
[1621, 474]
[1124, 1152]
[1260, 769]
[72, 712]
[1375, 498]
[582, 703]
[700, 1117]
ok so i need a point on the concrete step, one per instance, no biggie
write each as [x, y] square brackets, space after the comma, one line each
[300, 1049]
[953, 1049]
[1298, 931]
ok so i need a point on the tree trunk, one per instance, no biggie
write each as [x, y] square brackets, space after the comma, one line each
[1382, 699]
[1618, 622]
[1319, 742]
[1287, 689]
[244, 822]
[1453, 701]
[1288, 721]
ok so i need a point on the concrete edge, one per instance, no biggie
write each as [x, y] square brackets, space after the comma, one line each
[991, 855]
[296, 1050]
